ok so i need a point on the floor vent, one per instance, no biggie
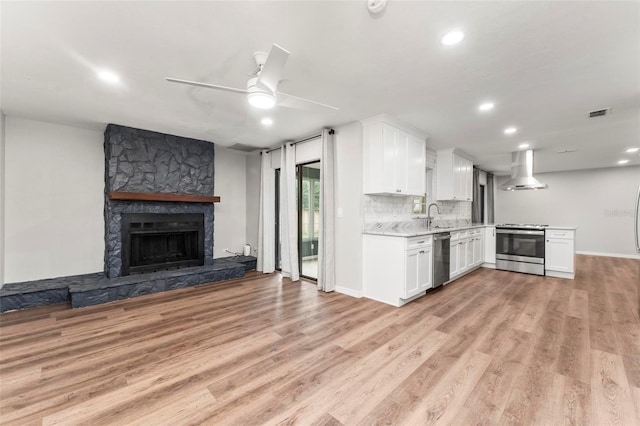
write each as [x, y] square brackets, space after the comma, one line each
[599, 113]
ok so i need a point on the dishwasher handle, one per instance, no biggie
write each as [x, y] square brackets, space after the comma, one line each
[442, 237]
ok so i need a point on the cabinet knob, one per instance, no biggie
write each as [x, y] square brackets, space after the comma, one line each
[547, 240]
[421, 251]
[398, 190]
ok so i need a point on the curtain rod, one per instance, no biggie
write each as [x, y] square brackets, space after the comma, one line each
[331, 132]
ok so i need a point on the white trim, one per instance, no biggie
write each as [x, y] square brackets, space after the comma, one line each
[386, 118]
[349, 292]
[557, 274]
[597, 253]
[489, 265]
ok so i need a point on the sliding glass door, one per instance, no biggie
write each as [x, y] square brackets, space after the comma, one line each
[308, 208]
[308, 218]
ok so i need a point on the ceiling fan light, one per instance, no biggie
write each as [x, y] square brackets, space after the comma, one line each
[261, 100]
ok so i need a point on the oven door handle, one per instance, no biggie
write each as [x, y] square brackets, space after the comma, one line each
[518, 231]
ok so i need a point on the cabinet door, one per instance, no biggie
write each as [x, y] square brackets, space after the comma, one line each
[469, 180]
[462, 256]
[389, 159]
[477, 250]
[490, 245]
[559, 254]
[469, 257]
[453, 259]
[425, 268]
[402, 158]
[458, 178]
[412, 268]
[415, 166]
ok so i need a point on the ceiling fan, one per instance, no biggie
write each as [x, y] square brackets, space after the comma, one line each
[262, 89]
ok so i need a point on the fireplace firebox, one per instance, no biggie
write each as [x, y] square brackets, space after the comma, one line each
[155, 242]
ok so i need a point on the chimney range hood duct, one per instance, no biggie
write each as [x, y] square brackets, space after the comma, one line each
[522, 173]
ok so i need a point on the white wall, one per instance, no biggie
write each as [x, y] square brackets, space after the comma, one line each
[599, 201]
[230, 225]
[348, 241]
[54, 195]
[253, 199]
[2, 169]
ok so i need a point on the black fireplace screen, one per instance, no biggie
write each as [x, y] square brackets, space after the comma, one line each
[155, 242]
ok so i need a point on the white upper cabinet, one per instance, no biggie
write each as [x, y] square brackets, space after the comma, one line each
[394, 157]
[454, 175]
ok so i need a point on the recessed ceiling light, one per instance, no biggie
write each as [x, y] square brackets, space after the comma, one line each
[487, 106]
[510, 130]
[632, 150]
[452, 37]
[266, 121]
[108, 76]
[623, 161]
[523, 145]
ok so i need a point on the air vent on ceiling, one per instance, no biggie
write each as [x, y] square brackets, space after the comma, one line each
[566, 150]
[244, 148]
[600, 113]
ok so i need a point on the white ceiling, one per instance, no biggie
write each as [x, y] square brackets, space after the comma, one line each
[544, 64]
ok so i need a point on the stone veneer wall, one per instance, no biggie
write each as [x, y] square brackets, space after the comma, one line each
[393, 208]
[145, 161]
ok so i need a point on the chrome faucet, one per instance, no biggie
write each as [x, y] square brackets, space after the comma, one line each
[429, 218]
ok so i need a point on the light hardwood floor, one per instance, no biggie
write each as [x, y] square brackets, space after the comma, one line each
[491, 348]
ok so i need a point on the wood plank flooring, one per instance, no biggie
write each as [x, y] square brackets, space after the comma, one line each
[493, 347]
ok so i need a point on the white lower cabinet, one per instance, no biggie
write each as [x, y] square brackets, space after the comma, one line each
[467, 251]
[559, 253]
[419, 271]
[478, 249]
[396, 269]
[490, 246]
[453, 259]
[468, 264]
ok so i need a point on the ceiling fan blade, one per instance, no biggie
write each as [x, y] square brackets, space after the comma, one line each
[291, 101]
[273, 67]
[207, 85]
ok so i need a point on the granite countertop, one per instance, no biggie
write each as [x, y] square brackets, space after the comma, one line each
[412, 229]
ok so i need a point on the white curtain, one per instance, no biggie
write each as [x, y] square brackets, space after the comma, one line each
[266, 221]
[326, 247]
[288, 214]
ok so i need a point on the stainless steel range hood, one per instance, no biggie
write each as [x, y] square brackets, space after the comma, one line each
[522, 173]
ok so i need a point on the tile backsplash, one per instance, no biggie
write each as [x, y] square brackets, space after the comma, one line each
[394, 208]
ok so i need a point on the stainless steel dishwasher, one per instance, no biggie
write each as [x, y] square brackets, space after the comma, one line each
[441, 258]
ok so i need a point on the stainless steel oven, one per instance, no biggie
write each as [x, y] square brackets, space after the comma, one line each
[520, 248]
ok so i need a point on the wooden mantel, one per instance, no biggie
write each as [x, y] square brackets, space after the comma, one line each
[158, 196]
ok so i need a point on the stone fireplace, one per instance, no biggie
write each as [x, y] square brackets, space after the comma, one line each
[156, 242]
[151, 164]
[158, 214]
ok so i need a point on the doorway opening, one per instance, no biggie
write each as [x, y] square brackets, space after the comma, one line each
[308, 212]
[308, 177]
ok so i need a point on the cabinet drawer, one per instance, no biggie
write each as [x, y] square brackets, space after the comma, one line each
[418, 242]
[564, 234]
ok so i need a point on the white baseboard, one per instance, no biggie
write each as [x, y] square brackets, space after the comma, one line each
[349, 291]
[557, 274]
[597, 253]
[489, 265]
